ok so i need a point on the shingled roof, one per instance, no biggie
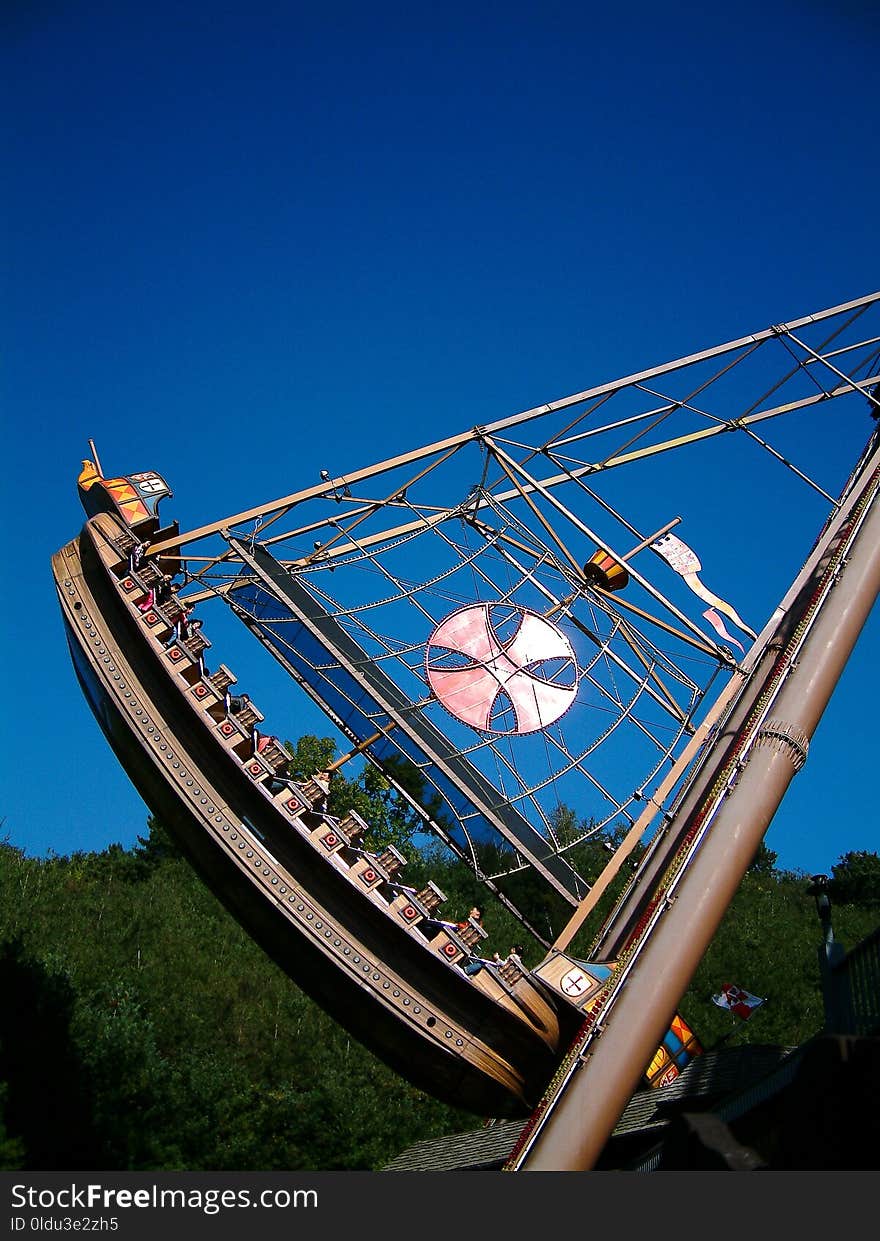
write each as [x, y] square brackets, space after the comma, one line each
[708, 1080]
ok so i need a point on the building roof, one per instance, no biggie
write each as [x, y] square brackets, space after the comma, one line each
[711, 1078]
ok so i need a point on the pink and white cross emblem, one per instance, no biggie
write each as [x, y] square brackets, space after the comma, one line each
[535, 670]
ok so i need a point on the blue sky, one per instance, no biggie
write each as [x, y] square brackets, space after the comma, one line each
[242, 243]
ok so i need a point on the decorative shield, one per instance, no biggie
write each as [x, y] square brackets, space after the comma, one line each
[576, 983]
[501, 669]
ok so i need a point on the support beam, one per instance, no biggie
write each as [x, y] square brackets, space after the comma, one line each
[571, 1130]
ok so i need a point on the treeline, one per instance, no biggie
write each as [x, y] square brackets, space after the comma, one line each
[141, 1029]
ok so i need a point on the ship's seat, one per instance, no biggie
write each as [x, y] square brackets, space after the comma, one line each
[420, 906]
[316, 791]
[330, 837]
[416, 907]
[148, 573]
[196, 642]
[195, 646]
[431, 897]
[222, 679]
[167, 611]
[510, 971]
[448, 941]
[391, 860]
[273, 753]
[471, 932]
[353, 825]
[248, 715]
[124, 542]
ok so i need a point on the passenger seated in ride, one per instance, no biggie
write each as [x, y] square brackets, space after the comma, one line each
[475, 964]
[182, 627]
[236, 703]
[265, 741]
[475, 915]
[159, 594]
[279, 781]
[514, 955]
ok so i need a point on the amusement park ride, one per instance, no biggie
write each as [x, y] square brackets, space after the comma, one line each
[530, 667]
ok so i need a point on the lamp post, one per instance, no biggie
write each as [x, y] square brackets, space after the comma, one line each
[830, 954]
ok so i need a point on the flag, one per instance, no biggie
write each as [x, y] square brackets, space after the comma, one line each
[718, 625]
[741, 1003]
[685, 562]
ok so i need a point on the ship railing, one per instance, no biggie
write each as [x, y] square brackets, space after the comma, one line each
[222, 679]
[306, 800]
[124, 542]
[274, 755]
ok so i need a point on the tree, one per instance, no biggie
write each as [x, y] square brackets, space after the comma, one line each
[855, 880]
[764, 861]
[48, 1099]
[11, 1149]
[390, 818]
[157, 846]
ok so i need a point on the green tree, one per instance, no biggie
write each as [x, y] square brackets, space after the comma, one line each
[764, 861]
[390, 818]
[151, 1032]
[156, 847]
[48, 1097]
[855, 880]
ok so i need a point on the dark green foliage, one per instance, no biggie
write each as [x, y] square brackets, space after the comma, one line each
[157, 846]
[768, 944]
[764, 861]
[47, 1098]
[141, 1028]
[544, 909]
[392, 821]
[147, 1031]
[856, 880]
[11, 1149]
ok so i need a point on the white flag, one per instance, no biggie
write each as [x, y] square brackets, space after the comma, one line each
[685, 562]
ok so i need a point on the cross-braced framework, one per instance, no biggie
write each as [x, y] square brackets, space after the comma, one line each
[511, 622]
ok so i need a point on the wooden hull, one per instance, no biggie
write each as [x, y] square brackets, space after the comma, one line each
[471, 1042]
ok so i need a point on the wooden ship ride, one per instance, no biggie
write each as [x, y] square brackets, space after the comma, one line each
[487, 645]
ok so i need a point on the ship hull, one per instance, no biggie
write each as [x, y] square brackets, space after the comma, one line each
[395, 993]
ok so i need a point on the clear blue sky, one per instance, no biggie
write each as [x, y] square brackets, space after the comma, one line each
[244, 242]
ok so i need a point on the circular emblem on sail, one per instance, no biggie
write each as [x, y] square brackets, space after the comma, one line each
[501, 669]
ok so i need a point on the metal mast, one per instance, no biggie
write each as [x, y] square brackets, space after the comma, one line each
[763, 743]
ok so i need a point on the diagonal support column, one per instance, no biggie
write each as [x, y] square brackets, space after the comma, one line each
[572, 1127]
